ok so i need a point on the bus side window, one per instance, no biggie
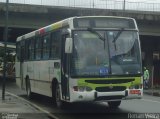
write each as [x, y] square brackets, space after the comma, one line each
[38, 48]
[18, 51]
[55, 45]
[31, 49]
[45, 43]
[22, 50]
[26, 49]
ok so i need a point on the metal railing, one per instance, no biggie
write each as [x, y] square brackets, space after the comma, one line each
[98, 4]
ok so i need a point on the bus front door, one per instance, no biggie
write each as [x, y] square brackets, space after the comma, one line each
[65, 71]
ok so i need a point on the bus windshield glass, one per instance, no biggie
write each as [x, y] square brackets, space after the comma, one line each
[89, 57]
[117, 54]
[124, 52]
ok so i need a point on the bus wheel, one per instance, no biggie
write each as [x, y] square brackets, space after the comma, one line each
[58, 101]
[28, 88]
[114, 104]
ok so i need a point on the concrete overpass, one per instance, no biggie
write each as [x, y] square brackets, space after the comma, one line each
[35, 16]
[25, 18]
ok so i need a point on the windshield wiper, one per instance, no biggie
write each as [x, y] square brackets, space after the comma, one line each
[96, 33]
[116, 37]
[118, 34]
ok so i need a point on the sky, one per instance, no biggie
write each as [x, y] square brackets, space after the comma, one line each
[149, 1]
[146, 1]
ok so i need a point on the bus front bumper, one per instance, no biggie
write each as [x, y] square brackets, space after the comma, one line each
[106, 96]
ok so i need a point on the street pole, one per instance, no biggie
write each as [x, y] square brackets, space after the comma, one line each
[93, 4]
[152, 77]
[5, 49]
[124, 5]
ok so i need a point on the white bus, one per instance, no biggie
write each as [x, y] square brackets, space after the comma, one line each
[87, 58]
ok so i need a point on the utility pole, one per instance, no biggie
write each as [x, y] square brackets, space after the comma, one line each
[124, 5]
[5, 49]
[93, 4]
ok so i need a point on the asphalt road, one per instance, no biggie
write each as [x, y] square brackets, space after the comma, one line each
[148, 106]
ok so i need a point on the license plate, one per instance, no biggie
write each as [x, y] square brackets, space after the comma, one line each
[134, 92]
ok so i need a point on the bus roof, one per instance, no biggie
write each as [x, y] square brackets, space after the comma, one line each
[61, 24]
[48, 28]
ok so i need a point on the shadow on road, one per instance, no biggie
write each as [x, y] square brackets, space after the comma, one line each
[94, 110]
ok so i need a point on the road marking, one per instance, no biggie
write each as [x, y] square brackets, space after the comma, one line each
[150, 100]
[34, 105]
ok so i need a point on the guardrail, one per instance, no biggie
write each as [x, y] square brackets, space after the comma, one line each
[98, 4]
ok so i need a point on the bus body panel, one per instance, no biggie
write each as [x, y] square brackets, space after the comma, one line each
[40, 74]
[17, 71]
[95, 95]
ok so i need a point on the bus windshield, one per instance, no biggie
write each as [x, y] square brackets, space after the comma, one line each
[119, 56]
[124, 52]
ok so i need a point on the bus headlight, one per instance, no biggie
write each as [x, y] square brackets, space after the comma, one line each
[136, 86]
[88, 88]
[82, 88]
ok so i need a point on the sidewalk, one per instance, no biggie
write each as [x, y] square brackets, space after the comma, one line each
[154, 92]
[14, 107]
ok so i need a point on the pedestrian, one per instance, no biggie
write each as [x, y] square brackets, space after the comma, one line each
[145, 78]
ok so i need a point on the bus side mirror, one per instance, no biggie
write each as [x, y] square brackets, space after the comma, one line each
[68, 45]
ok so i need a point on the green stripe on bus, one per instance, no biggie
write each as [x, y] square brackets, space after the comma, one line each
[81, 82]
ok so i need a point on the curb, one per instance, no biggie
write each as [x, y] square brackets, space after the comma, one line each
[154, 93]
[34, 105]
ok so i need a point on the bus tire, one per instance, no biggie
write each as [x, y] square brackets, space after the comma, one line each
[28, 88]
[56, 96]
[114, 104]
[58, 101]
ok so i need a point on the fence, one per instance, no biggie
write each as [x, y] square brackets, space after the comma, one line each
[98, 4]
